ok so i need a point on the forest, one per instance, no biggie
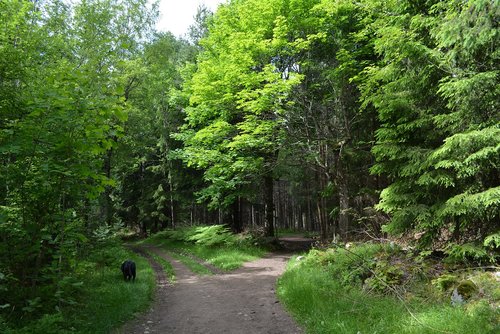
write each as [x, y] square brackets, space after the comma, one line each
[352, 121]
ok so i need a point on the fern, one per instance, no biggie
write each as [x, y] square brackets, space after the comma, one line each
[483, 204]
[467, 252]
[215, 235]
[492, 241]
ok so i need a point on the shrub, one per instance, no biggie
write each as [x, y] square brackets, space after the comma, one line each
[469, 253]
[49, 323]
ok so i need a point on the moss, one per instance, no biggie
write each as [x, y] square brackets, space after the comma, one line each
[445, 282]
[467, 289]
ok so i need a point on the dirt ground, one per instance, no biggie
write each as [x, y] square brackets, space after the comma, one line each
[241, 301]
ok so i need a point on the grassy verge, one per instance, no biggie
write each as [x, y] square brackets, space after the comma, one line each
[330, 294]
[228, 257]
[167, 266]
[213, 244]
[104, 300]
[192, 264]
[109, 300]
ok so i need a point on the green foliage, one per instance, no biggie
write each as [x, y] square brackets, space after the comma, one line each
[492, 241]
[335, 308]
[61, 112]
[101, 300]
[152, 187]
[323, 304]
[214, 244]
[470, 253]
[349, 267]
[206, 236]
[98, 113]
[237, 94]
[48, 323]
[385, 276]
[439, 138]
[108, 300]
[210, 236]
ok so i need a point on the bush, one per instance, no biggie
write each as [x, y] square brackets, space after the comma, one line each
[348, 266]
[4, 327]
[469, 254]
[385, 277]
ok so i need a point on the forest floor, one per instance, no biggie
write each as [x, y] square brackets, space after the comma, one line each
[239, 301]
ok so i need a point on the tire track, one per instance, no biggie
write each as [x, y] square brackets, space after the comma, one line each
[242, 301]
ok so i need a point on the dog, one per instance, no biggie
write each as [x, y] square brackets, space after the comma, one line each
[128, 270]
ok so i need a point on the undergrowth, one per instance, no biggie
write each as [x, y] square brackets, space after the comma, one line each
[102, 299]
[380, 289]
[215, 244]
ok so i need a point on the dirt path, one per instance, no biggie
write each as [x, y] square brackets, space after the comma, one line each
[242, 301]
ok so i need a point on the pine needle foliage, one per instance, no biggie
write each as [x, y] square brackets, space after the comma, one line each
[436, 90]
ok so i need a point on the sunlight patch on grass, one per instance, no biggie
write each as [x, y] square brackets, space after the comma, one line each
[192, 264]
[108, 300]
[323, 305]
[228, 258]
[167, 266]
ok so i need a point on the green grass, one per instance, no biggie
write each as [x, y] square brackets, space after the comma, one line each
[167, 266]
[229, 257]
[109, 300]
[225, 256]
[104, 300]
[192, 264]
[325, 305]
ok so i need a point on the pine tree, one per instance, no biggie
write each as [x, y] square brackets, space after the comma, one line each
[435, 92]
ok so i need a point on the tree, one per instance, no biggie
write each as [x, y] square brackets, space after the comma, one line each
[199, 29]
[60, 115]
[238, 92]
[152, 188]
[438, 141]
[325, 125]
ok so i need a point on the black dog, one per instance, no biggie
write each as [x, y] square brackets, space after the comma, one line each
[128, 270]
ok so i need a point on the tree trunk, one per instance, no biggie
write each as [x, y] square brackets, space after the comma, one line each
[107, 191]
[343, 203]
[172, 202]
[321, 206]
[269, 205]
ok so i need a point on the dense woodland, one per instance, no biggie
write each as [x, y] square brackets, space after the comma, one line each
[365, 119]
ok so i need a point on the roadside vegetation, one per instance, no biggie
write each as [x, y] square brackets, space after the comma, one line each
[373, 288]
[214, 244]
[96, 299]
[166, 266]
